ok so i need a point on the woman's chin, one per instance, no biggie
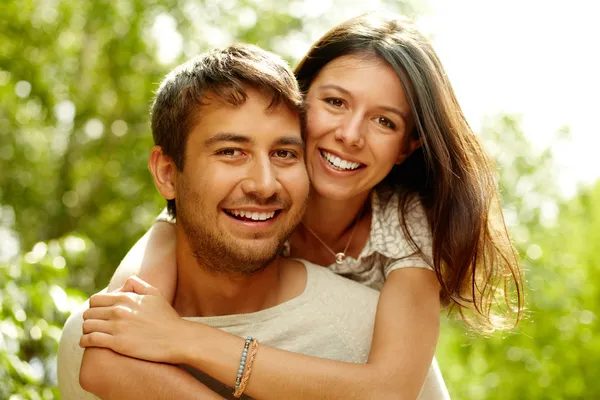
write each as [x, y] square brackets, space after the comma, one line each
[332, 190]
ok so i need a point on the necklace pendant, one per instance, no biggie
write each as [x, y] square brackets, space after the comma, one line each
[339, 258]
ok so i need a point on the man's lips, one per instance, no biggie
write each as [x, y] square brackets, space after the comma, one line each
[253, 214]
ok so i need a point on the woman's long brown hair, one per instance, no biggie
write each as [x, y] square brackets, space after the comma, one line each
[473, 257]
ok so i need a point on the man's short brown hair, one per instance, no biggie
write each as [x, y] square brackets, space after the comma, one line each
[219, 74]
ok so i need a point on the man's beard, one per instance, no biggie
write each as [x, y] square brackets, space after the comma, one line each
[217, 251]
[213, 251]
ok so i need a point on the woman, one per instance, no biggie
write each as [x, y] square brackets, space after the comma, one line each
[402, 193]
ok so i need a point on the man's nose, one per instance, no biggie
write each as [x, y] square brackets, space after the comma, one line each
[262, 179]
[350, 132]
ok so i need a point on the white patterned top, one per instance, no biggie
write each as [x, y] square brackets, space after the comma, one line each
[387, 248]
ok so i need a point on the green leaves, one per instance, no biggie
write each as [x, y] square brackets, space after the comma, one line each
[33, 309]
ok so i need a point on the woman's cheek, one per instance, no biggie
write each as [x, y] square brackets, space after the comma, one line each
[317, 122]
[389, 151]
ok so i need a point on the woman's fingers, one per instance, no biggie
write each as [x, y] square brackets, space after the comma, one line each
[113, 298]
[106, 313]
[96, 339]
[96, 313]
[96, 325]
[139, 286]
[103, 300]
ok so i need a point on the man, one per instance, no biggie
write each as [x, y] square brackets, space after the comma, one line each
[229, 160]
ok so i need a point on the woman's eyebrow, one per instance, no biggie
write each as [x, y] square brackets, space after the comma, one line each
[395, 110]
[402, 114]
[336, 87]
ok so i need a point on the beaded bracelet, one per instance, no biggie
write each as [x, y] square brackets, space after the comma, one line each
[242, 382]
[240, 372]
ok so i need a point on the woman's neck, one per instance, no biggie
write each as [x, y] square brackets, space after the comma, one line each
[331, 219]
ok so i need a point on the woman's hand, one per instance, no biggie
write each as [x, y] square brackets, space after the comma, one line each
[135, 321]
[153, 259]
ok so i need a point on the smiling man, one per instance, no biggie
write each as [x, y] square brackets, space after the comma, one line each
[229, 160]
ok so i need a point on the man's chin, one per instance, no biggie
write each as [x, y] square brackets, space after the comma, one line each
[257, 248]
[253, 246]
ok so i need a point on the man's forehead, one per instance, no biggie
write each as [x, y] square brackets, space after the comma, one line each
[253, 121]
[229, 98]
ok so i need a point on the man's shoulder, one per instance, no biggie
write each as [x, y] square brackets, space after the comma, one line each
[332, 286]
[326, 275]
[336, 318]
[70, 356]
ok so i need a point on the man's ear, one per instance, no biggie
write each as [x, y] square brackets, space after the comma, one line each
[164, 172]
[412, 143]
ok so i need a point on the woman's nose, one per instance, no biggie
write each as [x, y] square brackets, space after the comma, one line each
[350, 133]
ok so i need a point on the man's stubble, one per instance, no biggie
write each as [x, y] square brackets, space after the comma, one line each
[219, 252]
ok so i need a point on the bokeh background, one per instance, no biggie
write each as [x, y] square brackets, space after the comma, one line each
[76, 81]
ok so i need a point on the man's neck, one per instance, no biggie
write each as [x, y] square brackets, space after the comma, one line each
[203, 292]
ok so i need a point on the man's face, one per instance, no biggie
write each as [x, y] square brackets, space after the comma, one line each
[244, 186]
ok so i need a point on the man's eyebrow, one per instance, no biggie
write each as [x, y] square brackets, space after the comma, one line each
[227, 137]
[290, 141]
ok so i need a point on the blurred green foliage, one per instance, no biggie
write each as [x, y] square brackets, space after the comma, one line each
[36, 299]
[553, 353]
[76, 80]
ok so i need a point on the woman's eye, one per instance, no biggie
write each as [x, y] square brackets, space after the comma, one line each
[285, 154]
[334, 101]
[385, 122]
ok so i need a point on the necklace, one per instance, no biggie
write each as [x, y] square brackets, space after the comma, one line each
[341, 256]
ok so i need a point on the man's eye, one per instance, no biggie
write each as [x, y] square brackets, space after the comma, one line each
[385, 122]
[230, 152]
[334, 101]
[285, 154]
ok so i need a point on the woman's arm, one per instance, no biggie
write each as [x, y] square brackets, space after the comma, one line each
[109, 375]
[404, 341]
[112, 376]
[153, 259]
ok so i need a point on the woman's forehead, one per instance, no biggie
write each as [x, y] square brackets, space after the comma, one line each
[363, 75]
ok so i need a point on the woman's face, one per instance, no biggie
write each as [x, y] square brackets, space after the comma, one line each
[358, 123]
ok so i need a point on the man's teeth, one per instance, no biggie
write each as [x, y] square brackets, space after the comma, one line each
[338, 162]
[256, 216]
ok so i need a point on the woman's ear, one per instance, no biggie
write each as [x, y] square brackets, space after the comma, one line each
[164, 172]
[412, 143]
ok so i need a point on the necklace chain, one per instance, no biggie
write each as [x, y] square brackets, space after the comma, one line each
[339, 257]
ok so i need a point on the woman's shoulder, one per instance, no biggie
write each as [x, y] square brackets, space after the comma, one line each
[389, 235]
[388, 215]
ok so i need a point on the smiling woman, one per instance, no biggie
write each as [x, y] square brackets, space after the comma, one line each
[358, 128]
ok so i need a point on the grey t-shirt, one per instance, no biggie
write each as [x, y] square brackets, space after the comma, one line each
[333, 318]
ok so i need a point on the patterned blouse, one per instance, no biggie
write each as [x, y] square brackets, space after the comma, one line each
[387, 248]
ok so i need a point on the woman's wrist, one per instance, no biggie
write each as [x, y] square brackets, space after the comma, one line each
[187, 345]
[210, 350]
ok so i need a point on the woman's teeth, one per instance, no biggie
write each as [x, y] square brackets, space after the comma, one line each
[255, 216]
[339, 163]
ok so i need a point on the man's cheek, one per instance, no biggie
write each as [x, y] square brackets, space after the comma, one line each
[300, 184]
